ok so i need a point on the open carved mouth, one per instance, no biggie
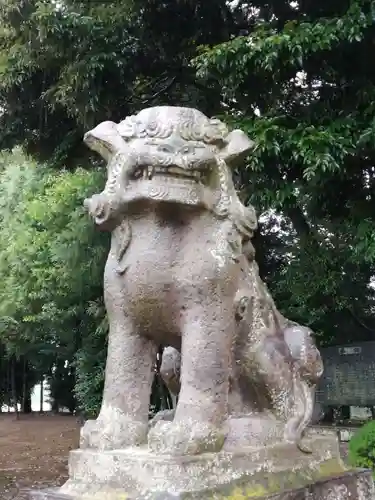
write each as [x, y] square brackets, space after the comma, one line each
[148, 172]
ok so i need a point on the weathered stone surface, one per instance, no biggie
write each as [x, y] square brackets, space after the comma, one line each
[48, 494]
[170, 370]
[182, 273]
[263, 474]
[351, 485]
[255, 473]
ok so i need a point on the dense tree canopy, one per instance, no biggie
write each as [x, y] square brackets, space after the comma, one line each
[295, 75]
[64, 69]
[300, 83]
[51, 262]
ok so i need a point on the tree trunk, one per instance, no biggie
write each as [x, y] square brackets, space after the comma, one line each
[23, 385]
[9, 384]
[55, 407]
[26, 391]
[26, 402]
[14, 390]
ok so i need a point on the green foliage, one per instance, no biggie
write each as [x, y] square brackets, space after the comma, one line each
[45, 237]
[122, 60]
[298, 83]
[90, 363]
[50, 95]
[294, 76]
[362, 447]
[51, 264]
[61, 384]
[18, 378]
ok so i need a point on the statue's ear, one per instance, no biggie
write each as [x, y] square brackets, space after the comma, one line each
[237, 147]
[105, 140]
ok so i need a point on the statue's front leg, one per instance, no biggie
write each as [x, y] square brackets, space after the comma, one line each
[202, 408]
[123, 418]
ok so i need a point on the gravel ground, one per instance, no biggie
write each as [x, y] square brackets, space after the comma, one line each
[34, 452]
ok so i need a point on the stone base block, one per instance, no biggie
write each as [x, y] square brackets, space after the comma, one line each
[279, 472]
[352, 485]
[48, 494]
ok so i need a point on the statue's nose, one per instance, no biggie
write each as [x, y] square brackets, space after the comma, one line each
[175, 156]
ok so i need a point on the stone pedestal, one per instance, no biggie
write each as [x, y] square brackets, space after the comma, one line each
[279, 472]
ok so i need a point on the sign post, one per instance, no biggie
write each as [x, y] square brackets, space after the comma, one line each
[349, 375]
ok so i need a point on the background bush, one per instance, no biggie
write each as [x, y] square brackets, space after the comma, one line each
[362, 447]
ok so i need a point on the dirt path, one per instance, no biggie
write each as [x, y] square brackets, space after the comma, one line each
[34, 452]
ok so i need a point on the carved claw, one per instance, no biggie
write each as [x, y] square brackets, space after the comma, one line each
[113, 433]
[242, 306]
[303, 448]
[162, 416]
[103, 209]
[184, 437]
[96, 205]
[294, 436]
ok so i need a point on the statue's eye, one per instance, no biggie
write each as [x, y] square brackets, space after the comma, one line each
[164, 149]
[186, 150]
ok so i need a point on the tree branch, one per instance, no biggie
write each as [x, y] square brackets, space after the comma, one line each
[161, 91]
[360, 322]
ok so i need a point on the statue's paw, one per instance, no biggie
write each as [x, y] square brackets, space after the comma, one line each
[164, 416]
[185, 437]
[97, 205]
[104, 209]
[113, 431]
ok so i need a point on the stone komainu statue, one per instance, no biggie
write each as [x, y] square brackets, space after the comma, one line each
[181, 272]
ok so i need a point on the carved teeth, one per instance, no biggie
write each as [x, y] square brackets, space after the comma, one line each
[170, 173]
[137, 173]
